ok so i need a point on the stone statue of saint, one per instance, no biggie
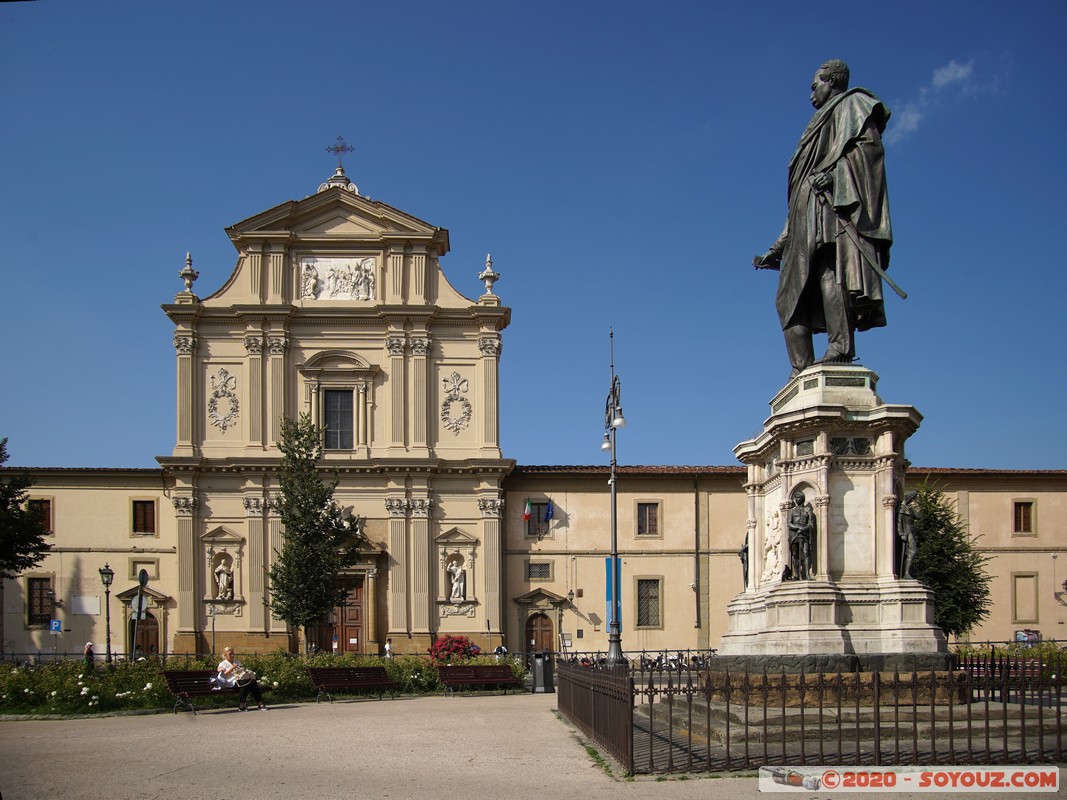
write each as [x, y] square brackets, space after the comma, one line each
[743, 555]
[834, 249]
[907, 513]
[801, 523]
[459, 581]
[223, 581]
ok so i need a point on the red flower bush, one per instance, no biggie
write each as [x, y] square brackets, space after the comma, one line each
[449, 649]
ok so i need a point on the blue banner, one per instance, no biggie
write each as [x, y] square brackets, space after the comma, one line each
[609, 585]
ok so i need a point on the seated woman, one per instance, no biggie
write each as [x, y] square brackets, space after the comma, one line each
[231, 674]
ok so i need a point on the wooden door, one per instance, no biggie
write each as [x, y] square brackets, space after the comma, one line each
[350, 630]
[539, 633]
[147, 643]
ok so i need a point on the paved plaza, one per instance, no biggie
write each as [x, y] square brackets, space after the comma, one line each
[430, 748]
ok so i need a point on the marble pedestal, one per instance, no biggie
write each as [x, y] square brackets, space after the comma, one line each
[831, 437]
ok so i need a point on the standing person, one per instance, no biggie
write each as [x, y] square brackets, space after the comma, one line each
[389, 649]
[837, 235]
[232, 673]
[89, 655]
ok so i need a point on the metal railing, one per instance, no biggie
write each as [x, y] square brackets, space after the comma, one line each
[1003, 711]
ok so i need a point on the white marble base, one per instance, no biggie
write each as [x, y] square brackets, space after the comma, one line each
[857, 617]
[832, 438]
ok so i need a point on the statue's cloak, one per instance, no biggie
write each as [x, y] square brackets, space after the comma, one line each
[843, 138]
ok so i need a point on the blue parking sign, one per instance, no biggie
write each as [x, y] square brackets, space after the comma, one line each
[56, 626]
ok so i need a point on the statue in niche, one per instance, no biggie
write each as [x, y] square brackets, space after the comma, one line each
[459, 581]
[801, 524]
[743, 555]
[223, 580]
[907, 514]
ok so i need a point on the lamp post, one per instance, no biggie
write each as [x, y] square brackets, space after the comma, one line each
[613, 420]
[107, 575]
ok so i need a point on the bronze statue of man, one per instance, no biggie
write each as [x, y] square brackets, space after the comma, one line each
[834, 248]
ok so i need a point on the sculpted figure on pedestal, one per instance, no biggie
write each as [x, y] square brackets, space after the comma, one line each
[834, 249]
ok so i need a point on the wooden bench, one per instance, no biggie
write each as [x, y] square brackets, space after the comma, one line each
[454, 675]
[187, 683]
[340, 679]
[1001, 675]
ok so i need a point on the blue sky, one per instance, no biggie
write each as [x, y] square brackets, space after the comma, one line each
[622, 162]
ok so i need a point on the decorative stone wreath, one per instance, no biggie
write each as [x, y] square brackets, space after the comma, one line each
[455, 388]
[222, 387]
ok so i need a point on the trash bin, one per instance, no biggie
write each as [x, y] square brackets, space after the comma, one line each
[543, 680]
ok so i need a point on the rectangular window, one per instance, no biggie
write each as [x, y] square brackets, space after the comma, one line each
[338, 409]
[39, 593]
[539, 570]
[536, 524]
[42, 508]
[144, 517]
[1024, 517]
[648, 519]
[649, 612]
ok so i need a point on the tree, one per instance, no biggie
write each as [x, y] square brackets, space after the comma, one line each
[948, 562]
[320, 539]
[22, 530]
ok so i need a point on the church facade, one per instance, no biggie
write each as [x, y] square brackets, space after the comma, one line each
[338, 308]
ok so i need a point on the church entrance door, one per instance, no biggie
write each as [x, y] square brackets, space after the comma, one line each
[343, 631]
[539, 633]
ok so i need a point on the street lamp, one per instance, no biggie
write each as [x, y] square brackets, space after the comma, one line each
[107, 575]
[613, 420]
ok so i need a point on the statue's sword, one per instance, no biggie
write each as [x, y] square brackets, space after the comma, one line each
[853, 234]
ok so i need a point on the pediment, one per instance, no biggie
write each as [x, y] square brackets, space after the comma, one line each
[222, 536]
[540, 597]
[336, 361]
[456, 537]
[335, 215]
[150, 593]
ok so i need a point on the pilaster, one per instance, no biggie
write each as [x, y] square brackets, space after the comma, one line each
[186, 508]
[492, 513]
[277, 345]
[275, 536]
[256, 400]
[490, 398]
[396, 344]
[396, 276]
[420, 395]
[185, 343]
[254, 512]
[397, 606]
[421, 561]
[276, 283]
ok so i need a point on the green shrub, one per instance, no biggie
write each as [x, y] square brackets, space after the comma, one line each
[68, 687]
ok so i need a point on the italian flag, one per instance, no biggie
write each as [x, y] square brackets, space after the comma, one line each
[527, 512]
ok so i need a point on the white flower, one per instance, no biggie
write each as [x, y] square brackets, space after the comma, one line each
[85, 690]
[54, 694]
[26, 691]
[276, 684]
[81, 676]
[147, 687]
[96, 697]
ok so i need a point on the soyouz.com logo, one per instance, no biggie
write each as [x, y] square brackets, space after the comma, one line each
[909, 779]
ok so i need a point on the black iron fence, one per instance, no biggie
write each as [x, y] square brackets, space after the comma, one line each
[984, 711]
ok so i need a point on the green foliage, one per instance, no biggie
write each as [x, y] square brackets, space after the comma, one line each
[319, 541]
[22, 532]
[68, 687]
[948, 562]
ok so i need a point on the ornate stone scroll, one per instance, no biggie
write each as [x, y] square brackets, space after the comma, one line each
[223, 387]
